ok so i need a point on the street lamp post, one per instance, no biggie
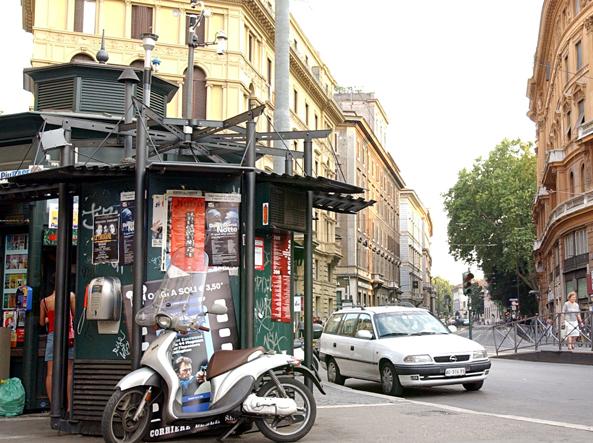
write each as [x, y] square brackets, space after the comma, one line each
[149, 43]
[192, 44]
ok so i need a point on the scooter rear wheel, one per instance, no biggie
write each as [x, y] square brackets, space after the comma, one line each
[292, 427]
[118, 424]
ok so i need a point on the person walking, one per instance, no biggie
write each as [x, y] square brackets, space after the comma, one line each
[47, 318]
[572, 319]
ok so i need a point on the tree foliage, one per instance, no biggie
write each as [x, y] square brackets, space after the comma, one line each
[489, 211]
[444, 297]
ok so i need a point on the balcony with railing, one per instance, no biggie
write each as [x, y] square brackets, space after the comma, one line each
[553, 158]
[566, 209]
[585, 130]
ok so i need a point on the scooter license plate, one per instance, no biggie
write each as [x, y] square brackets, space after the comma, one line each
[454, 372]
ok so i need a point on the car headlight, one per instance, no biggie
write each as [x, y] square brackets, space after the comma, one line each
[164, 321]
[480, 354]
[423, 358]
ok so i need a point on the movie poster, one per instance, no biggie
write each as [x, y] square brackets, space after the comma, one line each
[127, 217]
[106, 239]
[223, 328]
[168, 198]
[222, 232]
[187, 233]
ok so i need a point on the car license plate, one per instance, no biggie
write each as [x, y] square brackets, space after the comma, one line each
[453, 372]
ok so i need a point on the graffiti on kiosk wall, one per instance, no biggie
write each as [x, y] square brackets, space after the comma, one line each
[271, 339]
[89, 215]
[122, 346]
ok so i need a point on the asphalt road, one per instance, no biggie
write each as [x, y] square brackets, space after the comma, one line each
[540, 391]
[520, 402]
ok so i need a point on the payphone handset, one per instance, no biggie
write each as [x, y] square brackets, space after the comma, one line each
[104, 303]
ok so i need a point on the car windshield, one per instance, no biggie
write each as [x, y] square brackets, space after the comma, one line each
[391, 324]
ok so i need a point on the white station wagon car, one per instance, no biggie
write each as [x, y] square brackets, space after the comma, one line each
[399, 347]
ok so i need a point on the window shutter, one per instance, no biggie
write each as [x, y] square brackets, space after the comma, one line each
[141, 21]
[78, 15]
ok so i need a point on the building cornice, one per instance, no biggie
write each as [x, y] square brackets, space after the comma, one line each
[361, 123]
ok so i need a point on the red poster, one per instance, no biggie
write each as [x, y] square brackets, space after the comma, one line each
[187, 233]
[281, 277]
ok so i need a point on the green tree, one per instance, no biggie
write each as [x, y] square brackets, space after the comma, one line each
[444, 299]
[489, 211]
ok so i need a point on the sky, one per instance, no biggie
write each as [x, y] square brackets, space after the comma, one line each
[451, 75]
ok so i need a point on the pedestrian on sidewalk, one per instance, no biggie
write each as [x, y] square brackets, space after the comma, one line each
[47, 318]
[572, 319]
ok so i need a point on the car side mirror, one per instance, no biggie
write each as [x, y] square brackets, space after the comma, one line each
[317, 333]
[364, 334]
[452, 328]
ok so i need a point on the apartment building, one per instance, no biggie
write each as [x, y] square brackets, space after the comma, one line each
[368, 273]
[415, 226]
[561, 107]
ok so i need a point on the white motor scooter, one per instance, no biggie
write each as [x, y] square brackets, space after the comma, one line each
[246, 386]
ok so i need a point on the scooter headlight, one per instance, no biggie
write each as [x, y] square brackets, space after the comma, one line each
[164, 321]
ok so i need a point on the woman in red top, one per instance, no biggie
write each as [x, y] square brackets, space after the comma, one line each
[47, 317]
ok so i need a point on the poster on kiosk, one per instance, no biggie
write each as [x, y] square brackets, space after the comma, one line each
[199, 251]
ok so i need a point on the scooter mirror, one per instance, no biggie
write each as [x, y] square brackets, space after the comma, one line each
[217, 309]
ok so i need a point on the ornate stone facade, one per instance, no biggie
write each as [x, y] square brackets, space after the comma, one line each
[560, 105]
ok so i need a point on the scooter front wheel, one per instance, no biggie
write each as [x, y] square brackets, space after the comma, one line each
[122, 423]
[293, 427]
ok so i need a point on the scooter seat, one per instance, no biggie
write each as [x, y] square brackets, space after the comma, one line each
[224, 361]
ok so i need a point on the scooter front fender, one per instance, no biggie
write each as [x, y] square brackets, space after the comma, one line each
[308, 373]
[140, 377]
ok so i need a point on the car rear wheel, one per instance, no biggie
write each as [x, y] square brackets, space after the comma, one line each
[476, 386]
[333, 373]
[390, 381]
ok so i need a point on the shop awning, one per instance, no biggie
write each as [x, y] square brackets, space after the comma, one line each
[344, 204]
[307, 183]
[75, 174]
[13, 193]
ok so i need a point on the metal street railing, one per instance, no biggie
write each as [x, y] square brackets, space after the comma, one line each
[538, 332]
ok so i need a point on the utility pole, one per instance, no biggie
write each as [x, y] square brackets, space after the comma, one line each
[281, 77]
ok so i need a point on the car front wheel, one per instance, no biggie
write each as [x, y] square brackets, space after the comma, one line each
[476, 386]
[390, 381]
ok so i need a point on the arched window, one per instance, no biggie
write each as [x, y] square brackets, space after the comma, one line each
[583, 177]
[198, 95]
[139, 64]
[571, 184]
[82, 58]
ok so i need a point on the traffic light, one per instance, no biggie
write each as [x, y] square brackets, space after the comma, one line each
[467, 283]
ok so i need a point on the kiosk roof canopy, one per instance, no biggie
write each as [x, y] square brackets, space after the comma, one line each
[331, 195]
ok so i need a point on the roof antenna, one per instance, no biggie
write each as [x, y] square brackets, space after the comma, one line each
[102, 55]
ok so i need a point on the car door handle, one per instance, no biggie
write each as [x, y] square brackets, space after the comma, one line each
[334, 345]
[352, 348]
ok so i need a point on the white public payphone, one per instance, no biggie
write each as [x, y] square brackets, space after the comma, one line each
[104, 304]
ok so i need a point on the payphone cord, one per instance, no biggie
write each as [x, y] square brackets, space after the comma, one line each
[82, 319]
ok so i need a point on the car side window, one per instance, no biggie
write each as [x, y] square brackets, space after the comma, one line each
[349, 325]
[365, 324]
[332, 324]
